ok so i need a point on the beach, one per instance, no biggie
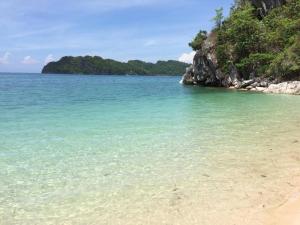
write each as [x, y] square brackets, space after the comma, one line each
[150, 112]
[288, 212]
[145, 150]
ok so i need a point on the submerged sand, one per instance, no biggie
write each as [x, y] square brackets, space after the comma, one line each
[240, 191]
[288, 213]
[155, 154]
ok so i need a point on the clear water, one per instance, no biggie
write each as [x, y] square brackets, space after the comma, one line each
[141, 150]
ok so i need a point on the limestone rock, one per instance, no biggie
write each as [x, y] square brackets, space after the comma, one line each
[188, 78]
[246, 83]
[260, 89]
[292, 87]
[205, 70]
[264, 6]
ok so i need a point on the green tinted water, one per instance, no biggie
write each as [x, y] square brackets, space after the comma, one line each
[141, 150]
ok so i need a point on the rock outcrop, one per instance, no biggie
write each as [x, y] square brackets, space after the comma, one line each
[205, 70]
[266, 5]
[292, 87]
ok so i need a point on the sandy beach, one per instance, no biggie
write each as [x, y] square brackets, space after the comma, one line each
[206, 156]
[288, 213]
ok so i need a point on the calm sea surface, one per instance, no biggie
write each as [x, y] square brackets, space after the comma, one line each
[141, 150]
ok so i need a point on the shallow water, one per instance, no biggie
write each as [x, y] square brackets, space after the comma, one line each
[142, 150]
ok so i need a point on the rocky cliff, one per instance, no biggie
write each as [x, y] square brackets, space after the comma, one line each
[205, 70]
[265, 5]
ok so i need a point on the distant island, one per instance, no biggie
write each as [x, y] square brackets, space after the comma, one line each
[99, 66]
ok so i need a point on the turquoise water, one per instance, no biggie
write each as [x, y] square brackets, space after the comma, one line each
[139, 150]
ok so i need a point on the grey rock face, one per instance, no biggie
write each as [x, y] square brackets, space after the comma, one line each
[265, 5]
[188, 77]
[205, 70]
[247, 83]
[263, 84]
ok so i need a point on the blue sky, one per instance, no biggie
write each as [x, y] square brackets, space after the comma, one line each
[34, 32]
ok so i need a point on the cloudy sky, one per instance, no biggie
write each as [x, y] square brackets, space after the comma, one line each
[34, 32]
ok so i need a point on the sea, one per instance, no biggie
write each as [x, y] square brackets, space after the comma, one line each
[142, 150]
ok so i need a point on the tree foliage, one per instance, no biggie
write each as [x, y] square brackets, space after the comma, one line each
[218, 19]
[98, 65]
[196, 44]
[266, 46]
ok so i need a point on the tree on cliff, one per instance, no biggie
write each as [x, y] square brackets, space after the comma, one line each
[262, 47]
[218, 19]
[255, 45]
[239, 3]
[196, 44]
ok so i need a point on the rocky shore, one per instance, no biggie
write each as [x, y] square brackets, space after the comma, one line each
[292, 87]
[255, 85]
[205, 70]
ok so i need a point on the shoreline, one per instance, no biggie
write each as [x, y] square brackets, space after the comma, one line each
[288, 87]
[209, 157]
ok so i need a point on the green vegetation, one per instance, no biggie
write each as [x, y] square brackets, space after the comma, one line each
[196, 44]
[100, 66]
[259, 46]
[218, 19]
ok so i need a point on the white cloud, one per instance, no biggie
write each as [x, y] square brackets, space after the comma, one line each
[48, 59]
[28, 60]
[187, 57]
[5, 58]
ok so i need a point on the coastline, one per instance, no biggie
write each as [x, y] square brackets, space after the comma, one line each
[288, 87]
[249, 60]
[231, 160]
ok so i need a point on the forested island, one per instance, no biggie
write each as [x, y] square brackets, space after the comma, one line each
[256, 48]
[99, 66]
